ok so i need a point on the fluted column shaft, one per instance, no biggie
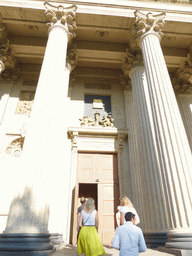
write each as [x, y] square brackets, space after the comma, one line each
[173, 149]
[147, 154]
[135, 168]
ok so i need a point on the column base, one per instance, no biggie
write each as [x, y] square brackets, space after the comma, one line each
[175, 252]
[22, 244]
[181, 241]
[154, 240]
[56, 239]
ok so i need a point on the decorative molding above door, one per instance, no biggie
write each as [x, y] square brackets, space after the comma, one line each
[97, 138]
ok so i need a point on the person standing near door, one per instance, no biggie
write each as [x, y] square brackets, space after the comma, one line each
[127, 206]
[80, 208]
[88, 240]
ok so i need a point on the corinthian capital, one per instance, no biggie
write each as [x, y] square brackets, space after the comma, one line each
[132, 59]
[3, 34]
[62, 15]
[145, 23]
[8, 68]
[182, 78]
[125, 82]
[71, 58]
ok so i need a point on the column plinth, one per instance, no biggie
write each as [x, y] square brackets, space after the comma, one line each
[171, 143]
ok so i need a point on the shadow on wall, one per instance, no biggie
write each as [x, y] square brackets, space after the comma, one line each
[28, 213]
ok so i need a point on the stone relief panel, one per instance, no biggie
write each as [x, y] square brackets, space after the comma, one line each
[25, 103]
[106, 121]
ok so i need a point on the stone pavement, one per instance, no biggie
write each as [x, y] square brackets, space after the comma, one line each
[70, 250]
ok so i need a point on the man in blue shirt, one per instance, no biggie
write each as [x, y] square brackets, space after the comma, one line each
[129, 238]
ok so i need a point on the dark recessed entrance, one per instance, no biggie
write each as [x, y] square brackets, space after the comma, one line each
[88, 190]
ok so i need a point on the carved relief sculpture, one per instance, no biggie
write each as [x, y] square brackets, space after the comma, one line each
[106, 121]
[8, 68]
[25, 103]
[182, 80]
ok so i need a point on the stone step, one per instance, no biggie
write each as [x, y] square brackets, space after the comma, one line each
[70, 250]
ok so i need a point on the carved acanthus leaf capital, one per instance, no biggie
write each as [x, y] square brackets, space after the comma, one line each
[3, 34]
[8, 62]
[71, 58]
[132, 59]
[62, 15]
[125, 82]
[145, 23]
[184, 73]
[10, 74]
[182, 81]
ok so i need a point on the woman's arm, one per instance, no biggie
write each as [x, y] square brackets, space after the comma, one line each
[122, 218]
[137, 219]
[96, 220]
[80, 220]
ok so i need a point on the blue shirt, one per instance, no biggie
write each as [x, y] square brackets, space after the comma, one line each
[129, 240]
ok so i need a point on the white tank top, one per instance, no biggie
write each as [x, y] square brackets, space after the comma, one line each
[89, 218]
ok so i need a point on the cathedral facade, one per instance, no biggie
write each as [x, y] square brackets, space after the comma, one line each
[95, 101]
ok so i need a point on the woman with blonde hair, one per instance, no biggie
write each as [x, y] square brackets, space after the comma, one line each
[127, 206]
[88, 240]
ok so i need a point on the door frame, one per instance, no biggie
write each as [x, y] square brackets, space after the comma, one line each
[94, 139]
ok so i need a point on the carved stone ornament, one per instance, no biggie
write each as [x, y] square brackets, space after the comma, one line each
[106, 121]
[3, 34]
[62, 15]
[145, 23]
[15, 147]
[125, 81]
[133, 59]
[25, 103]
[71, 58]
[72, 79]
[7, 58]
[182, 79]
[10, 74]
[181, 87]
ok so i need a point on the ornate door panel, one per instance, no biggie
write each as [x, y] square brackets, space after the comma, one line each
[102, 169]
[87, 168]
[108, 196]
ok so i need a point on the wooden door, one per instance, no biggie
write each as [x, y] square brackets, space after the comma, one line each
[102, 169]
[108, 195]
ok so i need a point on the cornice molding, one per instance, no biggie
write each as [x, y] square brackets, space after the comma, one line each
[180, 7]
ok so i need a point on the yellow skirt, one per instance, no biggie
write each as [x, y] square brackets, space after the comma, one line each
[89, 242]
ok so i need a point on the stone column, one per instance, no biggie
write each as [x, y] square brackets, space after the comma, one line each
[170, 140]
[155, 228]
[136, 181]
[45, 160]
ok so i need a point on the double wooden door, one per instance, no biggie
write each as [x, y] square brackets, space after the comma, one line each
[102, 170]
